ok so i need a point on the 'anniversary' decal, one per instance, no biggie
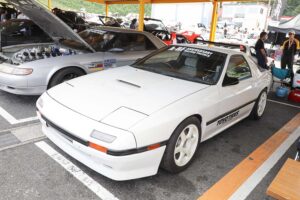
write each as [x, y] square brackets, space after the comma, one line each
[228, 118]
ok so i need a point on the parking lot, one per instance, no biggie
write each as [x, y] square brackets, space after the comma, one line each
[34, 168]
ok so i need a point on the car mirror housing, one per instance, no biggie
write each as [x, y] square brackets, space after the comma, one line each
[228, 81]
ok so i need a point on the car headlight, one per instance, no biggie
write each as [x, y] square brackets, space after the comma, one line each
[103, 136]
[15, 71]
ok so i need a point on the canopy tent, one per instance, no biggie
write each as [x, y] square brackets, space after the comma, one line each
[142, 3]
[285, 27]
[277, 34]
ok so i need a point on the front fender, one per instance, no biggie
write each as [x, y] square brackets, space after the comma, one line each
[54, 70]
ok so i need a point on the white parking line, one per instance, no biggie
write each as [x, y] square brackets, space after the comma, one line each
[286, 104]
[249, 185]
[90, 183]
[8, 117]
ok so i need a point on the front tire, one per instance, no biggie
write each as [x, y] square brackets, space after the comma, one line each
[260, 106]
[65, 75]
[182, 146]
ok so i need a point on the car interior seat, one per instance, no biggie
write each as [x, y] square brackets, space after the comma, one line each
[190, 66]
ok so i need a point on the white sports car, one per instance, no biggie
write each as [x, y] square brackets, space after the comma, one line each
[126, 122]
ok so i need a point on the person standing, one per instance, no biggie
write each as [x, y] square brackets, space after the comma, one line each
[261, 53]
[290, 48]
[133, 24]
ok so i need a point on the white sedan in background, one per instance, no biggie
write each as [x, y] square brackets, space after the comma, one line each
[31, 69]
[126, 122]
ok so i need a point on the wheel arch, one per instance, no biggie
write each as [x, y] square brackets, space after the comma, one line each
[199, 117]
[55, 72]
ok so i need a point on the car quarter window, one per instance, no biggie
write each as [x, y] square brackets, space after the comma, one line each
[238, 67]
[133, 42]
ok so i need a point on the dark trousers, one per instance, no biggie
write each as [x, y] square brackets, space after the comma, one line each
[261, 61]
[288, 62]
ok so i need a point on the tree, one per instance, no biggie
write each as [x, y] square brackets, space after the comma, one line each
[292, 8]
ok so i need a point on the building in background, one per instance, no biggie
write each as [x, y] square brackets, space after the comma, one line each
[250, 16]
[188, 14]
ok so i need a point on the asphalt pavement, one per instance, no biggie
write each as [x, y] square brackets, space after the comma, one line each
[27, 172]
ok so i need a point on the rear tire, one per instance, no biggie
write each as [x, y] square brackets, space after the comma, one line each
[260, 106]
[182, 146]
[65, 75]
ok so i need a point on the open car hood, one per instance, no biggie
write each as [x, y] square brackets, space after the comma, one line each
[47, 21]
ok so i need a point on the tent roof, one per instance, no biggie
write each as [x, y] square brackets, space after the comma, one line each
[160, 1]
[285, 27]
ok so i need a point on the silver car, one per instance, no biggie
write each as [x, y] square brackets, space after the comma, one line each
[33, 68]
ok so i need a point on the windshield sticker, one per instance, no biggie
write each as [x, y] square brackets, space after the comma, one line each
[195, 51]
[177, 49]
[228, 118]
[200, 52]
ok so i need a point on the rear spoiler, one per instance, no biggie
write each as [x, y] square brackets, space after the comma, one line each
[241, 47]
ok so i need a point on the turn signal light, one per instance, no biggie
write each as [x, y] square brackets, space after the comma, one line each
[154, 146]
[98, 147]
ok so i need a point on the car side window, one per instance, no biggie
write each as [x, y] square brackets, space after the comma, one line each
[238, 68]
[133, 42]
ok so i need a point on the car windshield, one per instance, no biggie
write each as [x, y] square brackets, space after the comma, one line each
[99, 40]
[187, 63]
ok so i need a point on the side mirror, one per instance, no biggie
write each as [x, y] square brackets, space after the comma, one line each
[116, 50]
[228, 81]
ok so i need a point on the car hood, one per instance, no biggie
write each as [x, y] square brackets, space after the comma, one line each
[47, 21]
[99, 95]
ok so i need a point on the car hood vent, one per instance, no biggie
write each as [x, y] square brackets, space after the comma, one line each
[128, 83]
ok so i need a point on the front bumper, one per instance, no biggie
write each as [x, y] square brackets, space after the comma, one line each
[19, 85]
[116, 167]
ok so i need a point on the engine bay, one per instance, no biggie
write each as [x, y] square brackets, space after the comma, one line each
[40, 52]
[36, 53]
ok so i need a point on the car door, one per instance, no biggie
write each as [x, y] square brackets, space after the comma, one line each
[127, 48]
[236, 98]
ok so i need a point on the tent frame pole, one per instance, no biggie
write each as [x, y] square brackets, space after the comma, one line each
[214, 19]
[106, 9]
[49, 4]
[141, 15]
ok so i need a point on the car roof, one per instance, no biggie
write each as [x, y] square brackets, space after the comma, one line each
[117, 29]
[157, 42]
